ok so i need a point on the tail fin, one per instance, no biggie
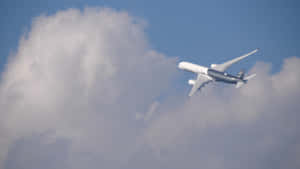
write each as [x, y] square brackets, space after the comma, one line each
[241, 74]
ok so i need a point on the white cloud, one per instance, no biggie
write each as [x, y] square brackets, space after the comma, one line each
[79, 78]
[218, 108]
[83, 74]
[265, 109]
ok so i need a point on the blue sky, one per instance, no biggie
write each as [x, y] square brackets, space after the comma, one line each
[200, 31]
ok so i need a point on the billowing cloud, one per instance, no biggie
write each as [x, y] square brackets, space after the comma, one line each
[84, 75]
[252, 127]
[85, 90]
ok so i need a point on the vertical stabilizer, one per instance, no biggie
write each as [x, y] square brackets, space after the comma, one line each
[241, 74]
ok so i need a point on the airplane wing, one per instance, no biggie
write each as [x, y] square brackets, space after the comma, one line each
[200, 82]
[222, 67]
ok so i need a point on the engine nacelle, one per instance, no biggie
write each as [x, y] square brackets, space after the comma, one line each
[192, 67]
[213, 65]
[191, 82]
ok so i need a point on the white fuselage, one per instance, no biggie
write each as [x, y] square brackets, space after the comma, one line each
[216, 72]
[210, 73]
[193, 68]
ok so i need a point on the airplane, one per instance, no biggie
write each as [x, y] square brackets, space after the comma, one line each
[216, 73]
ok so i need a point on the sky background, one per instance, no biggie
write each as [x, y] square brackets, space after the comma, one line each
[95, 84]
[200, 31]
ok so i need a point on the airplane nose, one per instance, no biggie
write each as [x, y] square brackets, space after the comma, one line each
[180, 65]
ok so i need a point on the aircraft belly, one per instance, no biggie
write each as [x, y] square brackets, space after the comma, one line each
[220, 76]
[226, 80]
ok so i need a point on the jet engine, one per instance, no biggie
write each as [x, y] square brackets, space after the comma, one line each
[213, 65]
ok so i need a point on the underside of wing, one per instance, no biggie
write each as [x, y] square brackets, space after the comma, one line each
[222, 67]
[200, 82]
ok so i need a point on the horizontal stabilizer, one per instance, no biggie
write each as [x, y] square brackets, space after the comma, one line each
[250, 77]
[239, 84]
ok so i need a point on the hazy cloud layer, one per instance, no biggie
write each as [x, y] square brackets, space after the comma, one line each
[85, 90]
